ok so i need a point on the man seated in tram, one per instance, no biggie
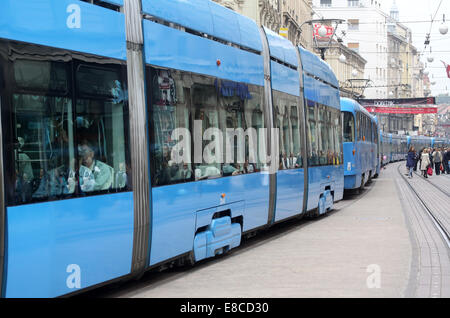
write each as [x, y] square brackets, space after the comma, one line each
[94, 174]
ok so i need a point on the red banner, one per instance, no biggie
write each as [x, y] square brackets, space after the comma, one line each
[402, 110]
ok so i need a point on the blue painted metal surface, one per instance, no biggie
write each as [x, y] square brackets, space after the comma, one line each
[207, 17]
[313, 65]
[43, 240]
[320, 92]
[281, 48]
[191, 53]
[319, 178]
[51, 23]
[178, 208]
[285, 79]
[220, 236]
[290, 188]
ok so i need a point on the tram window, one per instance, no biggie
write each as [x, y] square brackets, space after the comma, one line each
[170, 110]
[254, 118]
[312, 134]
[200, 104]
[349, 127]
[287, 121]
[101, 123]
[358, 127]
[64, 148]
[295, 122]
[325, 135]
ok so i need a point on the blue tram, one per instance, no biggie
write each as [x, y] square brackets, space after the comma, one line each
[96, 100]
[360, 144]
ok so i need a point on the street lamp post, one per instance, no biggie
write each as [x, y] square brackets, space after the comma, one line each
[322, 32]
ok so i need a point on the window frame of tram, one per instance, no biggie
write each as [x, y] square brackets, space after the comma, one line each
[324, 121]
[177, 99]
[61, 140]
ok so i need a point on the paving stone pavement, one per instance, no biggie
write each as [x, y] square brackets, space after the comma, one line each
[430, 271]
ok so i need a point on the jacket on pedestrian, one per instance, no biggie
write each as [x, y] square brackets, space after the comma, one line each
[425, 161]
[447, 156]
[410, 160]
[437, 156]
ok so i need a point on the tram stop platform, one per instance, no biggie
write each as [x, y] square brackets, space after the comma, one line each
[383, 242]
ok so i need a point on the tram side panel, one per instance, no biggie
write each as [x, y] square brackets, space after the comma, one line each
[187, 85]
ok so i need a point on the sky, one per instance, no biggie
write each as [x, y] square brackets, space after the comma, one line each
[412, 11]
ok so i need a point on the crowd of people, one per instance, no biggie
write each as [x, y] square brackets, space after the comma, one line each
[428, 161]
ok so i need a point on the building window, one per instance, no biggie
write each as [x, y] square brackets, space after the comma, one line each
[353, 25]
[353, 3]
[325, 3]
[354, 47]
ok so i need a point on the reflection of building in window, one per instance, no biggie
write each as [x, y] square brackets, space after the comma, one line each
[214, 103]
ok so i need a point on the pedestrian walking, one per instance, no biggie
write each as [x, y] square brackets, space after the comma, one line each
[411, 161]
[419, 158]
[425, 163]
[437, 159]
[446, 159]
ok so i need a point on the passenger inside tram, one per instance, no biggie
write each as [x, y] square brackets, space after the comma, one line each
[94, 174]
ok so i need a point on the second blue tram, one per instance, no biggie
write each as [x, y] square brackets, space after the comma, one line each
[360, 131]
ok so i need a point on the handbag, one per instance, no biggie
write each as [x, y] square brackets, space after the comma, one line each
[441, 168]
[430, 171]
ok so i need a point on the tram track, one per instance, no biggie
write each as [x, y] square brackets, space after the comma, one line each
[436, 186]
[440, 220]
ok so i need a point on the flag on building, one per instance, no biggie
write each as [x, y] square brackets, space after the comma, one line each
[447, 67]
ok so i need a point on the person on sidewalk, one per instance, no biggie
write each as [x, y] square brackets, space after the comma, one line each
[411, 161]
[437, 159]
[446, 158]
[425, 163]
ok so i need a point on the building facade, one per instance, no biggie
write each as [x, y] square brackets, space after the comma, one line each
[294, 14]
[365, 32]
[350, 72]
[263, 12]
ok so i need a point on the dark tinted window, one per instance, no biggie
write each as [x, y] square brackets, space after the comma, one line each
[324, 135]
[349, 127]
[287, 120]
[69, 137]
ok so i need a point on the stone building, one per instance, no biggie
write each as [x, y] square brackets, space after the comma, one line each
[294, 14]
[263, 12]
[349, 72]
